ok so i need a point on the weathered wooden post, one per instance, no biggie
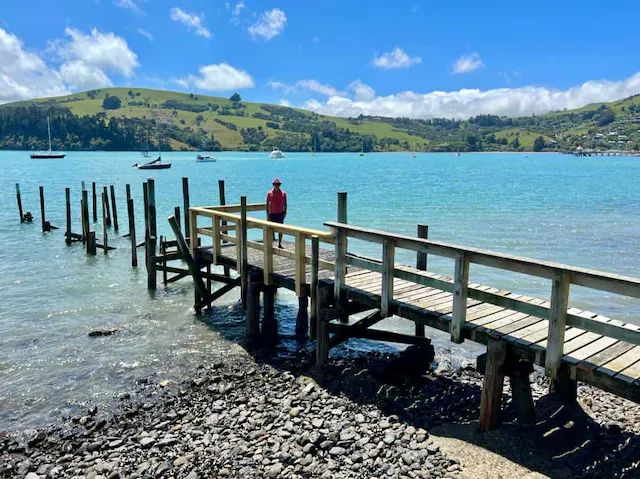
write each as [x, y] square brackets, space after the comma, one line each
[45, 224]
[105, 209]
[559, 380]
[105, 197]
[491, 400]
[132, 233]
[388, 268]
[151, 190]
[176, 214]
[145, 206]
[95, 202]
[421, 258]
[223, 202]
[302, 320]
[253, 303]
[151, 264]
[84, 207]
[315, 267]
[269, 323]
[460, 288]
[113, 208]
[151, 237]
[91, 243]
[185, 205]
[19, 199]
[67, 197]
[341, 259]
[243, 260]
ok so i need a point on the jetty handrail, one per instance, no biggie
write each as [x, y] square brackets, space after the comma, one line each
[239, 223]
[556, 312]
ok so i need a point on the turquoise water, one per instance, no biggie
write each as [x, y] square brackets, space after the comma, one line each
[579, 211]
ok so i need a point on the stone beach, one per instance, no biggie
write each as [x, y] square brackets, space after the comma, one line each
[247, 417]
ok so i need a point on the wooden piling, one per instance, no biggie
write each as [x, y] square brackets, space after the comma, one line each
[45, 226]
[341, 261]
[67, 197]
[302, 319]
[105, 209]
[113, 208]
[19, 199]
[269, 323]
[84, 211]
[91, 243]
[151, 190]
[185, 205]
[491, 400]
[132, 233]
[254, 285]
[519, 372]
[421, 259]
[105, 206]
[315, 269]
[244, 258]
[176, 214]
[151, 263]
[95, 202]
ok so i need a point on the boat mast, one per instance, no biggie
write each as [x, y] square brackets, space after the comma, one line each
[49, 130]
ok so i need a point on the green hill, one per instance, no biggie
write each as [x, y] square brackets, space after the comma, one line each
[121, 118]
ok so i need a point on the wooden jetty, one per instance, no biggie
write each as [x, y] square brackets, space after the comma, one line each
[520, 331]
[572, 345]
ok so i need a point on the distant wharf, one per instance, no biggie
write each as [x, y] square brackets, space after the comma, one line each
[343, 295]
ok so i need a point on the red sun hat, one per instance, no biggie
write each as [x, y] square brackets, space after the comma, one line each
[277, 181]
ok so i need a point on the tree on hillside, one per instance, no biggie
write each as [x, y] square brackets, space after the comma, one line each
[606, 116]
[111, 102]
[235, 97]
[516, 143]
[538, 144]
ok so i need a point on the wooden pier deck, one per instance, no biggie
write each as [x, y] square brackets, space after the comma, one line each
[519, 331]
[591, 358]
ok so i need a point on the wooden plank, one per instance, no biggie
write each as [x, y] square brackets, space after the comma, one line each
[461, 281]
[622, 362]
[364, 264]
[557, 323]
[606, 355]
[631, 374]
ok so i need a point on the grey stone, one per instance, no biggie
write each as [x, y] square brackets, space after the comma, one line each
[337, 451]
[275, 470]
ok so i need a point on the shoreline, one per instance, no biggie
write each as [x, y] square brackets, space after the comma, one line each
[248, 416]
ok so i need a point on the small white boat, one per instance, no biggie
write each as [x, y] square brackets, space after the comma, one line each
[154, 165]
[44, 155]
[457, 154]
[413, 154]
[276, 153]
[206, 159]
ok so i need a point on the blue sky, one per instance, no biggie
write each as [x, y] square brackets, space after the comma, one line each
[339, 57]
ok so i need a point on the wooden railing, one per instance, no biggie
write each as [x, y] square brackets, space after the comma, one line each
[226, 220]
[556, 312]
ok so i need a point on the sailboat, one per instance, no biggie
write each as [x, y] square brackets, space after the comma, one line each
[145, 152]
[314, 147]
[362, 150]
[47, 154]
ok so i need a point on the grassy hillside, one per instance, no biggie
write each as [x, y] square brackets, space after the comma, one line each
[140, 103]
[120, 118]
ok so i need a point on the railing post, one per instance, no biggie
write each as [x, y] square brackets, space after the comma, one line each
[267, 260]
[315, 267]
[243, 248]
[460, 286]
[217, 240]
[339, 280]
[300, 251]
[342, 207]
[557, 323]
[421, 259]
[388, 266]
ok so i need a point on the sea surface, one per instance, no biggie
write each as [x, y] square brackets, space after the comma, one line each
[579, 211]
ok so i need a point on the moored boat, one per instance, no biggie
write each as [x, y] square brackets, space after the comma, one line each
[43, 155]
[206, 159]
[153, 165]
[276, 153]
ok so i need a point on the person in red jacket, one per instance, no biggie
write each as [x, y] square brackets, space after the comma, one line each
[277, 206]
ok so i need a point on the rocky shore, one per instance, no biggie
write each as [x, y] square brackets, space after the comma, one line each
[280, 418]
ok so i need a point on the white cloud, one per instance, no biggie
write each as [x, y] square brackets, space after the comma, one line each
[235, 14]
[220, 77]
[361, 91]
[470, 102]
[80, 76]
[145, 34]
[192, 21]
[397, 58]
[467, 63]
[129, 5]
[284, 102]
[276, 85]
[23, 74]
[105, 51]
[317, 87]
[269, 25]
